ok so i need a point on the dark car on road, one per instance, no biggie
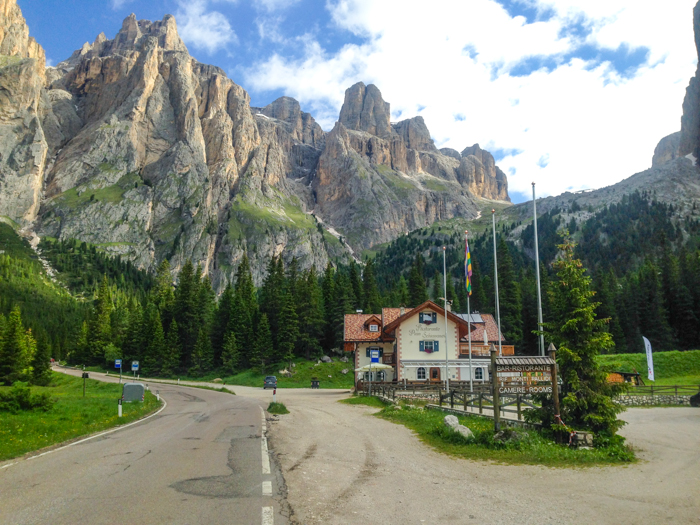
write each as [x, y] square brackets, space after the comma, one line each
[270, 382]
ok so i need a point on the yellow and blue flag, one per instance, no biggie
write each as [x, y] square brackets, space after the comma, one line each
[468, 266]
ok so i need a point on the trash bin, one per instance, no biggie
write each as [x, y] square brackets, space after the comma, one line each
[314, 383]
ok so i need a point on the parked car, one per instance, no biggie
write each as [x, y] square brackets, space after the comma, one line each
[270, 382]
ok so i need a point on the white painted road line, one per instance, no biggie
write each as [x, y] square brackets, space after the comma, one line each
[267, 488]
[122, 427]
[268, 516]
[265, 456]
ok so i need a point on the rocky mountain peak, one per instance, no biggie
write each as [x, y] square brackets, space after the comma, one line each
[364, 109]
[415, 134]
[690, 121]
[14, 36]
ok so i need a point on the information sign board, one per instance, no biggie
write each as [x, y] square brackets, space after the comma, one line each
[117, 363]
[374, 354]
[134, 366]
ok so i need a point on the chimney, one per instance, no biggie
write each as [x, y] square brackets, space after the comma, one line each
[358, 311]
[449, 306]
[402, 310]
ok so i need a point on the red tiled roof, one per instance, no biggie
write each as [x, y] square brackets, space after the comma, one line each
[489, 325]
[355, 329]
[391, 326]
[391, 314]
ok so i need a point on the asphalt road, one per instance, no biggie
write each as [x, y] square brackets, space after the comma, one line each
[203, 459]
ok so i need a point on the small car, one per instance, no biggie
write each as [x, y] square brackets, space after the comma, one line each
[270, 382]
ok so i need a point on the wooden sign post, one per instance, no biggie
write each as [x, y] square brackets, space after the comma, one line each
[552, 351]
[496, 396]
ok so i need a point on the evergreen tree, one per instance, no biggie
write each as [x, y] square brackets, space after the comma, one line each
[651, 309]
[202, 355]
[17, 350]
[311, 318]
[437, 288]
[244, 285]
[230, 354]
[586, 401]
[343, 300]
[357, 286]
[328, 292]
[171, 355]
[99, 326]
[416, 283]
[154, 341]
[132, 347]
[242, 326]
[372, 301]
[41, 363]
[511, 304]
[185, 312]
[222, 319]
[271, 295]
[162, 293]
[401, 292]
[262, 347]
[288, 329]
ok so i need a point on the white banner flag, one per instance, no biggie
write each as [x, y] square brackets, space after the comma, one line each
[650, 359]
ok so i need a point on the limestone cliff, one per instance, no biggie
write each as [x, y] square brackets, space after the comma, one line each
[23, 146]
[134, 146]
[690, 121]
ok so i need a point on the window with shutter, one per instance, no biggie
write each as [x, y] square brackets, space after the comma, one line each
[429, 347]
[370, 348]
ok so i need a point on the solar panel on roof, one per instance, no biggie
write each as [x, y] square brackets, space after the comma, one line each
[474, 318]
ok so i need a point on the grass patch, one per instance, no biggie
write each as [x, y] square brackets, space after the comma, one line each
[528, 448]
[72, 415]
[277, 408]
[436, 185]
[670, 368]
[370, 401]
[301, 376]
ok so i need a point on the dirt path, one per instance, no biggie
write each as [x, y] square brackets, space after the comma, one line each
[343, 466]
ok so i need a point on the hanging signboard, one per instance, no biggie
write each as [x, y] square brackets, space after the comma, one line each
[532, 375]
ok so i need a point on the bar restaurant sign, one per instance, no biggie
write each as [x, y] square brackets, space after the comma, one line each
[524, 375]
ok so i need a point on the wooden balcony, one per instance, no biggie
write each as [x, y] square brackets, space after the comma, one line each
[481, 350]
[388, 359]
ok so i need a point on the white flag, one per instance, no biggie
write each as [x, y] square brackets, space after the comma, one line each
[650, 359]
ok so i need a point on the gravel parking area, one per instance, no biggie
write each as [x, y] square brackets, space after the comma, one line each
[343, 466]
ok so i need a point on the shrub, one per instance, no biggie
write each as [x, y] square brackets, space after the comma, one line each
[20, 397]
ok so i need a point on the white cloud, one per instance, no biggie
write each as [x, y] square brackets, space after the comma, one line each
[202, 29]
[274, 5]
[118, 4]
[450, 62]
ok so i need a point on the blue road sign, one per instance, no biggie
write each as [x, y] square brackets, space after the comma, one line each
[117, 363]
[374, 354]
[134, 366]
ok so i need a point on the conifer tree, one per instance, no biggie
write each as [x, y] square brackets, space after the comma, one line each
[241, 325]
[356, 286]
[343, 301]
[437, 288]
[162, 293]
[132, 347]
[41, 363]
[185, 312]
[328, 290]
[262, 347]
[244, 285]
[230, 354]
[652, 310]
[171, 355]
[99, 327]
[401, 292]
[586, 400]
[416, 283]
[271, 295]
[17, 350]
[311, 318]
[288, 329]
[222, 319]
[510, 298]
[154, 341]
[372, 301]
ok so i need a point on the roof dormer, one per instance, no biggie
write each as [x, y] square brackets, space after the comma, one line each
[373, 324]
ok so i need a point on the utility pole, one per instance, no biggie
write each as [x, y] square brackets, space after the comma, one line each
[495, 270]
[444, 282]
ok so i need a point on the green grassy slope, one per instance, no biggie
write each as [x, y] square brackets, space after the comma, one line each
[670, 368]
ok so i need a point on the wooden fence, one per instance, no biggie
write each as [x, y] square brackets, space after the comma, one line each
[674, 390]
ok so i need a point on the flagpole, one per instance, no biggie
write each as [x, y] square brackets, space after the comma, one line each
[444, 282]
[469, 321]
[495, 271]
[537, 267]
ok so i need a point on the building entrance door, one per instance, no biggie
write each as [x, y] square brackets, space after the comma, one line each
[435, 375]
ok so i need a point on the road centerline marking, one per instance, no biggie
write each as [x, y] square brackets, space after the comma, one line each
[268, 516]
[267, 488]
[265, 456]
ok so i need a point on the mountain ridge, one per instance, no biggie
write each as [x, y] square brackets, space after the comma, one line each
[141, 149]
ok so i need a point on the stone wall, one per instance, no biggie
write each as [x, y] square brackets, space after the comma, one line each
[640, 401]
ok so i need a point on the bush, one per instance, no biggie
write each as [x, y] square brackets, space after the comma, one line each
[277, 408]
[20, 397]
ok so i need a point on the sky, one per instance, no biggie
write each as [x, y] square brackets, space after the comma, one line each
[569, 94]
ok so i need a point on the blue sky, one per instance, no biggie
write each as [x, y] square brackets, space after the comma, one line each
[570, 94]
